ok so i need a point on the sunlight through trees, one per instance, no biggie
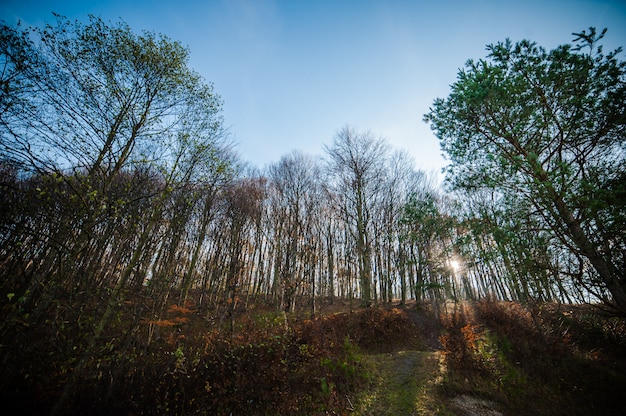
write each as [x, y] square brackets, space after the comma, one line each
[119, 182]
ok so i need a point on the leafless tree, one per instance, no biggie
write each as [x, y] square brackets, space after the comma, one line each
[356, 164]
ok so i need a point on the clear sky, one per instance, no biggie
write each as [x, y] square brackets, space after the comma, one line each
[292, 73]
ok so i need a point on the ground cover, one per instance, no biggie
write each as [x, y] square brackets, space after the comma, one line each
[481, 358]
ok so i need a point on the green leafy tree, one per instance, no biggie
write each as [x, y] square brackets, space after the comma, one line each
[431, 230]
[548, 129]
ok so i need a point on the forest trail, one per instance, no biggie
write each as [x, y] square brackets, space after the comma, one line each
[402, 383]
[407, 382]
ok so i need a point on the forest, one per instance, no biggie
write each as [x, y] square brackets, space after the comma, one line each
[146, 269]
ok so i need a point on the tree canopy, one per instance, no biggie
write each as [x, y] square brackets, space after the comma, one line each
[100, 98]
[546, 130]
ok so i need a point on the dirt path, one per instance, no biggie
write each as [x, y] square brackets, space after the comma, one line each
[407, 382]
[402, 383]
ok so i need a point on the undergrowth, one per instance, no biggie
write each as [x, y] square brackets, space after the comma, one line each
[186, 360]
[549, 360]
[184, 363]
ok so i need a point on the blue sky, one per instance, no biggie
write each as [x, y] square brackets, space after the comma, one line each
[292, 73]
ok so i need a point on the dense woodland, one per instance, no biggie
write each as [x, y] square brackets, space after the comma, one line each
[123, 196]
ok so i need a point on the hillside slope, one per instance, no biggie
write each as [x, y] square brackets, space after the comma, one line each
[483, 358]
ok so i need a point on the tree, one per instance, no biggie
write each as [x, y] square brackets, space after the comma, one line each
[243, 200]
[110, 141]
[398, 182]
[294, 185]
[430, 232]
[83, 105]
[356, 163]
[547, 130]
[93, 96]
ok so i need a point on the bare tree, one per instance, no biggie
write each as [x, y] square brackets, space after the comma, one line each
[294, 183]
[356, 165]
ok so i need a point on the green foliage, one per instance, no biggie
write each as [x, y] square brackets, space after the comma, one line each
[545, 129]
[347, 365]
